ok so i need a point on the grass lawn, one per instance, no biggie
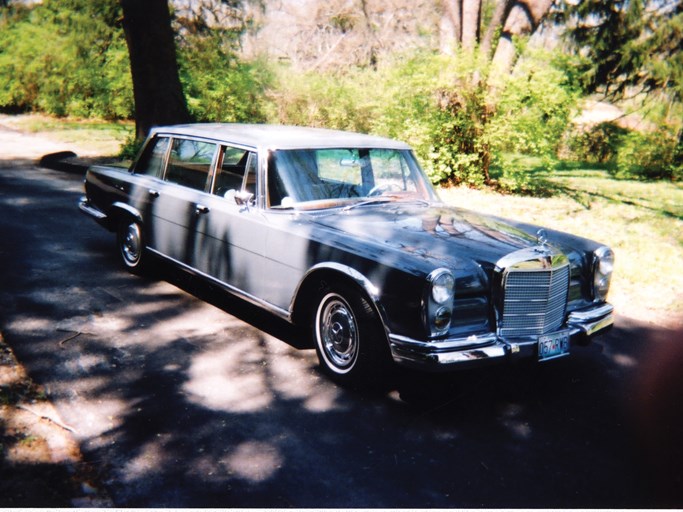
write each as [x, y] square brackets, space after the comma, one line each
[101, 137]
[641, 221]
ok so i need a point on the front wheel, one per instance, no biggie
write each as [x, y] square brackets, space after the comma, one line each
[131, 245]
[349, 339]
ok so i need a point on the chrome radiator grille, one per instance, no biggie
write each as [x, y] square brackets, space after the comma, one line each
[534, 301]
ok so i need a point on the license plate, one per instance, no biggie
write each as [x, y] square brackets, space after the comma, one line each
[553, 345]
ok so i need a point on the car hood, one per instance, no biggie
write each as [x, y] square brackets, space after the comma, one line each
[437, 232]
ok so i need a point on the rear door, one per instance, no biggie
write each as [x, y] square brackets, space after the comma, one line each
[178, 205]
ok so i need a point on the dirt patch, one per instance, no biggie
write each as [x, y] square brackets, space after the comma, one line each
[41, 463]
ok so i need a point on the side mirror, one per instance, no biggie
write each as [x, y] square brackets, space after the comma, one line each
[244, 198]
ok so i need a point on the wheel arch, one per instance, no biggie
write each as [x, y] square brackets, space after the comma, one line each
[330, 272]
[121, 210]
[131, 242]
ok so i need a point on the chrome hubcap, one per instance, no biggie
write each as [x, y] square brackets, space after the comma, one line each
[130, 246]
[337, 333]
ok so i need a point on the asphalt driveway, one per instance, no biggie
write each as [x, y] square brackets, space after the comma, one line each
[181, 396]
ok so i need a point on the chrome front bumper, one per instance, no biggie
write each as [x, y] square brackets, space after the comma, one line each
[91, 211]
[491, 348]
[85, 207]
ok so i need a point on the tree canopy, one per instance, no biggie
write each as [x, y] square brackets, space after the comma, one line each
[467, 82]
[627, 46]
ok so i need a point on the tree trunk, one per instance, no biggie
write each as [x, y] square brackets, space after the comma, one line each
[471, 14]
[158, 94]
[499, 14]
[523, 19]
[450, 27]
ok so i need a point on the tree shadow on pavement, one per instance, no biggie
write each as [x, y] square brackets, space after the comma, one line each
[229, 415]
[179, 402]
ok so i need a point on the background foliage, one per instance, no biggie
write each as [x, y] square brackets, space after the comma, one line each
[69, 58]
[65, 58]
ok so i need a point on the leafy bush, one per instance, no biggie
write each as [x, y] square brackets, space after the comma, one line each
[432, 102]
[459, 127]
[649, 155]
[524, 175]
[339, 101]
[217, 86]
[411, 99]
[596, 144]
[534, 109]
[130, 147]
[627, 154]
[65, 58]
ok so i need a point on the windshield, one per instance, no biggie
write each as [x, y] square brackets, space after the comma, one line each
[328, 178]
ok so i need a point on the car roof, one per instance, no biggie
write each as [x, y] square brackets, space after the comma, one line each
[270, 136]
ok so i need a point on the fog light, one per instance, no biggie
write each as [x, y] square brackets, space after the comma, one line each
[442, 318]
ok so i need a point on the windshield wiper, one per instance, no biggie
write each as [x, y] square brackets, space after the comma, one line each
[365, 202]
[387, 198]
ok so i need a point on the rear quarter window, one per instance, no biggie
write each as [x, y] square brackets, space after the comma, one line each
[151, 162]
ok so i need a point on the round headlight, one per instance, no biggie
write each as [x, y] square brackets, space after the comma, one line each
[603, 265]
[443, 284]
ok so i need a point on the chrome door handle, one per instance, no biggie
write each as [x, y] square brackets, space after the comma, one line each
[153, 193]
[201, 209]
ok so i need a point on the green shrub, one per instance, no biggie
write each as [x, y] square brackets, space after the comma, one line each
[217, 86]
[524, 175]
[460, 150]
[65, 57]
[459, 127]
[596, 144]
[534, 108]
[130, 147]
[648, 155]
[412, 98]
[432, 102]
[338, 101]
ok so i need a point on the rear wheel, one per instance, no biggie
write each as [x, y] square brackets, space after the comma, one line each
[349, 338]
[131, 245]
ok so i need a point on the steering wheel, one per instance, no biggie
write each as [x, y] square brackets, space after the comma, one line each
[378, 190]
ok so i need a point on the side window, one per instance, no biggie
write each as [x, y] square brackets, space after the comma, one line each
[230, 173]
[151, 162]
[190, 163]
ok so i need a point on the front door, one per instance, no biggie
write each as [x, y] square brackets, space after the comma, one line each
[231, 231]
